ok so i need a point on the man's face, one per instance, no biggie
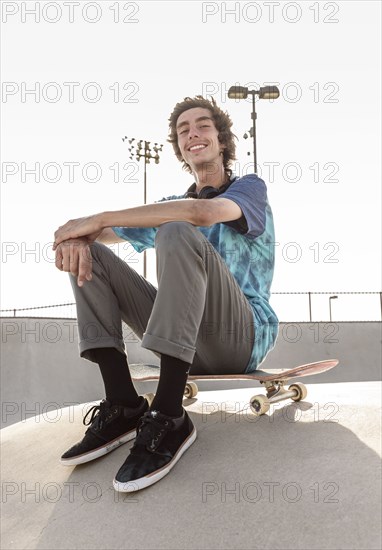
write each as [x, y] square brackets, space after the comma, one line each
[198, 138]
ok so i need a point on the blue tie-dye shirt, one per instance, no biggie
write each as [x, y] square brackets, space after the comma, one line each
[247, 246]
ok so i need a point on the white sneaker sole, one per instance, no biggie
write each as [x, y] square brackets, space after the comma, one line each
[100, 451]
[150, 479]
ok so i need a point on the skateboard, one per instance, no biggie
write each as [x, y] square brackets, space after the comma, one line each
[272, 380]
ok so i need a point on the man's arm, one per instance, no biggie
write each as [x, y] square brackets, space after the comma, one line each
[154, 215]
[219, 210]
[199, 212]
[107, 236]
[148, 215]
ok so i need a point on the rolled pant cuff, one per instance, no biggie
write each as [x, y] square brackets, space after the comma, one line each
[86, 347]
[160, 345]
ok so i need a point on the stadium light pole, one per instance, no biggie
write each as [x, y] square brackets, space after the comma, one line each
[330, 306]
[141, 149]
[240, 92]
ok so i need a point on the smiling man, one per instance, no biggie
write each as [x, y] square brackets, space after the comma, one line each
[210, 313]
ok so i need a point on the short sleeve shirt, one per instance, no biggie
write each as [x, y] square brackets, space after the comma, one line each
[247, 246]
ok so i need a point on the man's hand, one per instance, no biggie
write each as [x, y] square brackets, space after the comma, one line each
[89, 227]
[74, 256]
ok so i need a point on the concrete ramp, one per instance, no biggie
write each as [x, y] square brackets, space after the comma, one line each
[306, 475]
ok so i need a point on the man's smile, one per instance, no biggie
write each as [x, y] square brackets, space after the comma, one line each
[197, 147]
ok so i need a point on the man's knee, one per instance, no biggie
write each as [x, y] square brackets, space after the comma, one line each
[98, 249]
[102, 255]
[94, 252]
[173, 231]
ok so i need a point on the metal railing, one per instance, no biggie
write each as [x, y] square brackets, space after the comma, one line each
[306, 307]
[333, 295]
[15, 311]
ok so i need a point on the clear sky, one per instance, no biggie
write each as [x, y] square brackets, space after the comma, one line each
[105, 70]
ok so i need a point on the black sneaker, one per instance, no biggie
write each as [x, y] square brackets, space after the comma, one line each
[109, 427]
[161, 441]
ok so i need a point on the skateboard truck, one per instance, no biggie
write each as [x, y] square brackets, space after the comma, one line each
[260, 404]
[276, 392]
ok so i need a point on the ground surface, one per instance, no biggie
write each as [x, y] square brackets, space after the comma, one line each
[305, 475]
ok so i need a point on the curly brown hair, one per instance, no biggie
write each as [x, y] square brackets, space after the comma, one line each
[222, 123]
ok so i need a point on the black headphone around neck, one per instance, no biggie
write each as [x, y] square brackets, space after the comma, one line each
[208, 192]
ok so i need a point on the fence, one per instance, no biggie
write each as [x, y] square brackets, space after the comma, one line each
[289, 306]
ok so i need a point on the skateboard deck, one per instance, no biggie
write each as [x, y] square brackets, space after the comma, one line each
[141, 372]
[273, 380]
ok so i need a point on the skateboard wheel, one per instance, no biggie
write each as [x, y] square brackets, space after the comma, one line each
[190, 390]
[149, 397]
[301, 390]
[259, 404]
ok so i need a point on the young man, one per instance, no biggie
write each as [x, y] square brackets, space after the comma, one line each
[210, 313]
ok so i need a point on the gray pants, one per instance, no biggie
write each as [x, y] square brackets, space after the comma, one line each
[198, 314]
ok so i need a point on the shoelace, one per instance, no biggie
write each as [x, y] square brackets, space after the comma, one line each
[99, 414]
[151, 431]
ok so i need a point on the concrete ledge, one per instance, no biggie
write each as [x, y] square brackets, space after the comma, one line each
[306, 476]
[43, 354]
